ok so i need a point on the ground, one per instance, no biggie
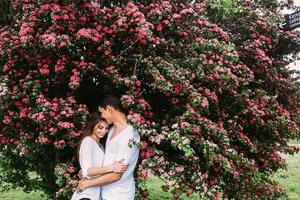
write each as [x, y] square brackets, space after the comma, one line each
[289, 180]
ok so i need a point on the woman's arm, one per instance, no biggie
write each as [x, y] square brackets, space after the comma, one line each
[98, 181]
[86, 156]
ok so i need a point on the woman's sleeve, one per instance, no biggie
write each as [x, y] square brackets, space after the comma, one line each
[85, 156]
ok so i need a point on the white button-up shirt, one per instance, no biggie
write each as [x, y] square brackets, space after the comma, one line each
[118, 149]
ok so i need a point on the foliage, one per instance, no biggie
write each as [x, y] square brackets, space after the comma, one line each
[213, 103]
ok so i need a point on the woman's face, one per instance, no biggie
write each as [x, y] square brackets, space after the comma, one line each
[100, 129]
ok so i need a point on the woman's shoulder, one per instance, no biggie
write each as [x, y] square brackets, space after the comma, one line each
[88, 140]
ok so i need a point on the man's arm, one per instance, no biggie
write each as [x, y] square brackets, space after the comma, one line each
[96, 171]
[99, 181]
[115, 167]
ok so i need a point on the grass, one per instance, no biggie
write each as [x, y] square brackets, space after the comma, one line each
[18, 194]
[289, 180]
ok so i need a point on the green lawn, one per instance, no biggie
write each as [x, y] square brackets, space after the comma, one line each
[18, 194]
[289, 180]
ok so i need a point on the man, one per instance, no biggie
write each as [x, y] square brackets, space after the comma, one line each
[121, 185]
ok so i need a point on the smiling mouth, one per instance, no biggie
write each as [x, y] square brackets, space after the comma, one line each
[102, 134]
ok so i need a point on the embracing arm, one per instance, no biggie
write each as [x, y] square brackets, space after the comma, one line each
[96, 171]
[105, 179]
[99, 181]
[115, 167]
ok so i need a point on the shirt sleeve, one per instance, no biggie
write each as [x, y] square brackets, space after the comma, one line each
[85, 156]
[129, 149]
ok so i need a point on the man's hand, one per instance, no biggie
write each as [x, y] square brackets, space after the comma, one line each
[118, 167]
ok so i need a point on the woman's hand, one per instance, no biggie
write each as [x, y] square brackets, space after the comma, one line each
[118, 167]
[81, 185]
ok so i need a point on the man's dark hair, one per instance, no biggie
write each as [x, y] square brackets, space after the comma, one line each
[113, 101]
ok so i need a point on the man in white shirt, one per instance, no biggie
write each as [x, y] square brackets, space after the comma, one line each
[116, 186]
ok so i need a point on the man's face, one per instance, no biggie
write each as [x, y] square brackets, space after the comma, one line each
[106, 113]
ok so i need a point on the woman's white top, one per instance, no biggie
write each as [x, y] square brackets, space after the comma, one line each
[90, 155]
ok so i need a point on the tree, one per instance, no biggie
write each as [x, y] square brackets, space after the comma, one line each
[214, 104]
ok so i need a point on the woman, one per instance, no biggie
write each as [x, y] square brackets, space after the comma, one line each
[91, 155]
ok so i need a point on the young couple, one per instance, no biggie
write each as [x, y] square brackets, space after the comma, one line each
[108, 175]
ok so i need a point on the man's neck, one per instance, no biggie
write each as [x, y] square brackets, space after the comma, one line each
[120, 122]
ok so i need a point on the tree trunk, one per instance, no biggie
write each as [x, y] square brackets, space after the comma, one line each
[5, 13]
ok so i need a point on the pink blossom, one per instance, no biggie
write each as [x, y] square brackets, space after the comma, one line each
[45, 71]
[6, 120]
[138, 83]
[159, 27]
[207, 92]
[66, 125]
[107, 43]
[40, 116]
[204, 103]
[23, 39]
[106, 52]
[65, 17]
[159, 138]
[76, 134]
[42, 140]
[83, 19]
[196, 129]
[179, 169]
[185, 125]
[127, 99]
[149, 153]
[143, 144]
[59, 144]
[56, 17]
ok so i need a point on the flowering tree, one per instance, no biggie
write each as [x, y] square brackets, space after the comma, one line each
[214, 104]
